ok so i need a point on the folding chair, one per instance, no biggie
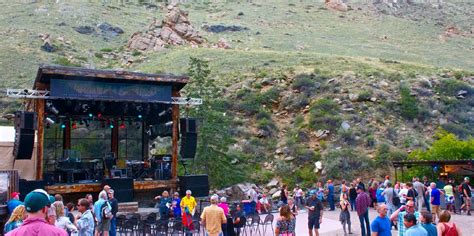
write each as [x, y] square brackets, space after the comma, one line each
[268, 221]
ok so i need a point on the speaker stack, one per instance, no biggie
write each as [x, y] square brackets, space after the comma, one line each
[188, 128]
[25, 126]
[198, 184]
[123, 188]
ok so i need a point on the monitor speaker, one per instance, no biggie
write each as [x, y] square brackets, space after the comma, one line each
[25, 120]
[24, 142]
[26, 187]
[198, 184]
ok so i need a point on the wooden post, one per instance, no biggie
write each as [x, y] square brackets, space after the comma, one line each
[174, 146]
[40, 103]
[67, 135]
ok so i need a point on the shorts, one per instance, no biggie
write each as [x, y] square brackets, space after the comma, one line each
[103, 225]
[313, 222]
[449, 199]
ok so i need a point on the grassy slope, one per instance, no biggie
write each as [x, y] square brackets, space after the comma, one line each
[289, 35]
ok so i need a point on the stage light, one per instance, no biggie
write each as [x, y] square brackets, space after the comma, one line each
[140, 116]
[111, 125]
[49, 121]
[162, 113]
[122, 125]
[85, 107]
[51, 107]
[63, 126]
[99, 115]
[169, 123]
[90, 115]
[74, 125]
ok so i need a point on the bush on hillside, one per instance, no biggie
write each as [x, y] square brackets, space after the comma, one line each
[408, 104]
[346, 163]
[324, 114]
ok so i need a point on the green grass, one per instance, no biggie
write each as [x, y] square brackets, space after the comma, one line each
[305, 37]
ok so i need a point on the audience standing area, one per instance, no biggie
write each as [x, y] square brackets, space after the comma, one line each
[96, 127]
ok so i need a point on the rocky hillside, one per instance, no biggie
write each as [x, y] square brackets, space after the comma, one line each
[350, 85]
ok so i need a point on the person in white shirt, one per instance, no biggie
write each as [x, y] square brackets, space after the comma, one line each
[403, 194]
[265, 204]
[63, 221]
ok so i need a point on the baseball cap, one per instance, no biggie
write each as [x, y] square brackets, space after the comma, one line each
[15, 194]
[467, 178]
[36, 200]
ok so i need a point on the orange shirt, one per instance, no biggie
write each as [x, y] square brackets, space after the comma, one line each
[213, 217]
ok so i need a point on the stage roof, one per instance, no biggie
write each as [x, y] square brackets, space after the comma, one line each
[46, 72]
[432, 162]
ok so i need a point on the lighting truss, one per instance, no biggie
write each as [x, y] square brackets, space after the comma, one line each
[44, 94]
[27, 93]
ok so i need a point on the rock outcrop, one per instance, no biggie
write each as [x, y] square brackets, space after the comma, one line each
[175, 29]
[337, 5]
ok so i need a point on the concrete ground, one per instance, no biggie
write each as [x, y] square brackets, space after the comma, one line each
[332, 226]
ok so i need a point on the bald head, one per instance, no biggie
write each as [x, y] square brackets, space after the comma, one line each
[382, 210]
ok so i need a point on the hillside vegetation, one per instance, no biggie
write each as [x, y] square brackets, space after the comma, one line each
[299, 83]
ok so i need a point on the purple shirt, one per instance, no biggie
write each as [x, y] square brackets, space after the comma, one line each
[362, 203]
[33, 226]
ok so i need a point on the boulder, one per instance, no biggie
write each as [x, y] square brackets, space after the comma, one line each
[174, 29]
[337, 5]
[273, 183]
[345, 125]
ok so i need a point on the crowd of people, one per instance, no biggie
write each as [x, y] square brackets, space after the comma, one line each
[44, 214]
[412, 208]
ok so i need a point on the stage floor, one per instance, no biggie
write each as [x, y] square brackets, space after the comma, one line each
[95, 187]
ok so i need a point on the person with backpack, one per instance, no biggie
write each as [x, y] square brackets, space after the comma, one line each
[103, 214]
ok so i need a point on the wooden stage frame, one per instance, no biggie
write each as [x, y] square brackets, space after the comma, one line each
[42, 82]
[144, 185]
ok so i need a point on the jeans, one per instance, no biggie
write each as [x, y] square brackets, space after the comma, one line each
[427, 203]
[113, 226]
[253, 207]
[353, 204]
[362, 218]
[331, 202]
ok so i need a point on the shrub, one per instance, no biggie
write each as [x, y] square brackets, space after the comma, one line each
[450, 87]
[303, 82]
[65, 62]
[295, 102]
[365, 96]
[106, 50]
[99, 55]
[345, 163]
[136, 53]
[408, 103]
[324, 115]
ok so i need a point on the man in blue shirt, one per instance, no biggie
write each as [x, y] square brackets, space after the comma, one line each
[14, 202]
[413, 229]
[435, 196]
[331, 195]
[381, 224]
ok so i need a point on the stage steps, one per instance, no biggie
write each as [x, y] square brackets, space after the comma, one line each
[128, 207]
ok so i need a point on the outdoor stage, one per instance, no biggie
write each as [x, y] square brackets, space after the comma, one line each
[93, 128]
[97, 187]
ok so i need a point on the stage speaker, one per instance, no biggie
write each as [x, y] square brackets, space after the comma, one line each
[25, 120]
[188, 125]
[26, 187]
[123, 188]
[188, 145]
[24, 142]
[198, 184]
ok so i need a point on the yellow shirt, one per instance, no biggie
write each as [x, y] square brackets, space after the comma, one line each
[213, 218]
[188, 202]
[448, 189]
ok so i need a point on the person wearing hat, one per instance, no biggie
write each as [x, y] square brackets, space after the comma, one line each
[466, 192]
[213, 218]
[14, 202]
[315, 213]
[37, 204]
